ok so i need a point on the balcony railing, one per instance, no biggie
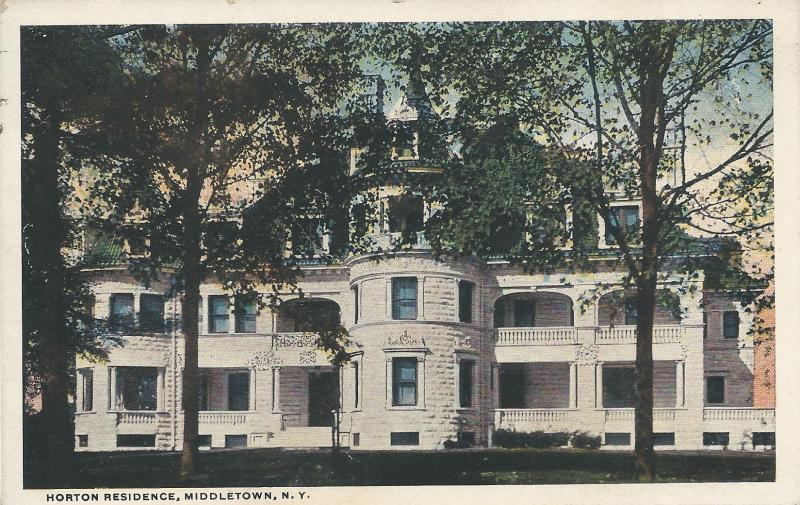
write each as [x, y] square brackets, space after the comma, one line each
[764, 416]
[223, 418]
[137, 417]
[628, 415]
[531, 418]
[537, 336]
[662, 334]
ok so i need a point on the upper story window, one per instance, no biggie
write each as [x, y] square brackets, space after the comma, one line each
[151, 313]
[218, 314]
[245, 310]
[524, 313]
[406, 142]
[404, 381]
[308, 238]
[625, 218]
[406, 214]
[631, 312]
[465, 289]
[121, 316]
[404, 298]
[730, 324]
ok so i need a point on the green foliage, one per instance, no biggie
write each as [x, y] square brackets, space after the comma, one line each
[583, 440]
[511, 439]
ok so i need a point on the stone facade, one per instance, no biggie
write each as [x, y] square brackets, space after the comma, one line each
[275, 397]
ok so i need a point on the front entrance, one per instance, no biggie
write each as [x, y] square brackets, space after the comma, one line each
[323, 397]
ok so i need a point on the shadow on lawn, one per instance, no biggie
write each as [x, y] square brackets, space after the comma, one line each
[276, 467]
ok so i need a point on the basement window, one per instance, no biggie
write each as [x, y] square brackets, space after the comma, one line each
[136, 440]
[618, 439]
[404, 438]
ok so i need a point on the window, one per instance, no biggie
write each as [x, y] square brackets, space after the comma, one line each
[245, 309]
[631, 312]
[524, 313]
[624, 218]
[730, 324]
[356, 439]
[404, 438]
[715, 390]
[499, 314]
[664, 438]
[203, 384]
[239, 391]
[512, 385]
[404, 381]
[137, 388]
[204, 441]
[356, 384]
[308, 238]
[86, 378]
[716, 438]
[151, 316]
[136, 440]
[465, 381]
[83, 440]
[121, 316]
[404, 298]
[405, 214]
[764, 438]
[466, 437]
[618, 439]
[218, 314]
[619, 387]
[355, 304]
[465, 301]
[233, 441]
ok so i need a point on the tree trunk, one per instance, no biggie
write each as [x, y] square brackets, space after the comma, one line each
[652, 57]
[195, 171]
[45, 284]
[190, 307]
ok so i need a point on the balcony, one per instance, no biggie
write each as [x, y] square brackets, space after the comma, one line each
[662, 334]
[223, 418]
[744, 414]
[557, 335]
[536, 419]
[137, 418]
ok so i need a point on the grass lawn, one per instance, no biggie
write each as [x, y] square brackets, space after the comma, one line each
[276, 467]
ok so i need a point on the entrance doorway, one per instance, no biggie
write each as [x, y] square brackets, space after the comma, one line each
[323, 397]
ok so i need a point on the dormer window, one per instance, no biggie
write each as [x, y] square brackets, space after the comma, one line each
[625, 218]
[406, 214]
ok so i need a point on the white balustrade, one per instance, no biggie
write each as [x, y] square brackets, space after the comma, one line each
[137, 417]
[223, 418]
[766, 416]
[662, 334]
[531, 418]
[555, 335]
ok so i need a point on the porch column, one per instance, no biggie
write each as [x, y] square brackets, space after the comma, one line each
[598, 385]
[112, 388]
[680, 378]
[573, 385]
[252, 390]
[276, 389]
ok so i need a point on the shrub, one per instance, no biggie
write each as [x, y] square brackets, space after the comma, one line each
[583, 440]
[456, 444]
[536, 439]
